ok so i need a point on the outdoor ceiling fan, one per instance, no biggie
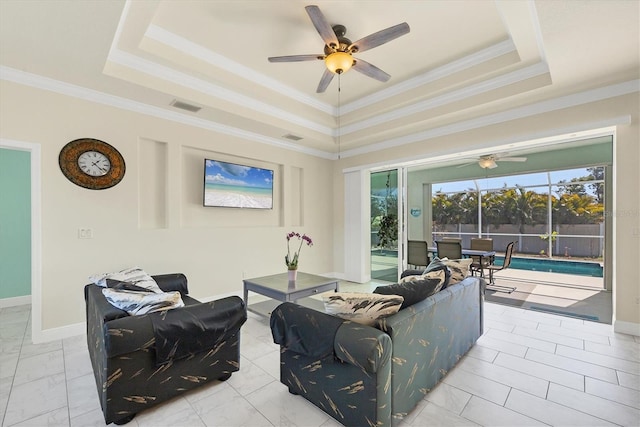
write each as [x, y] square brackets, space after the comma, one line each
[339, 50]
[490, 161]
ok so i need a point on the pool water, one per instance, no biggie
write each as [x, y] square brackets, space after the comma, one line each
[580, 268]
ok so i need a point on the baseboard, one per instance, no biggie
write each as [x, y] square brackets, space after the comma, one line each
[628, 328]
[15, 301]
[59, 333]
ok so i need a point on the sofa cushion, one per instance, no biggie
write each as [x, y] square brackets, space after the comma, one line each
[459, 269]
[134, 275]
[363, 308]
[414, 288]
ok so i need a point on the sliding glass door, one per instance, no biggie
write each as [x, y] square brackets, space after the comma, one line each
[384, 225]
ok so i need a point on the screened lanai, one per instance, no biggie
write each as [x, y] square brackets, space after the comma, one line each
[553, 206]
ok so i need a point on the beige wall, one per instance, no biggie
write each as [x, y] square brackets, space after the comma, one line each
[170, 231]
[165, 229]
[582, 117]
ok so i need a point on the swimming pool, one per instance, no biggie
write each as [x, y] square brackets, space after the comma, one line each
[580, 268]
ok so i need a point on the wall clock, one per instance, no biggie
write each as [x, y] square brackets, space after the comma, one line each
[91, 163]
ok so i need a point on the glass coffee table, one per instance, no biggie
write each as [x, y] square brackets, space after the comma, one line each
[279, 288]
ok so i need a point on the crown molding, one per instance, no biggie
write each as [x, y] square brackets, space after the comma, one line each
[208, 56]
[594, 95]
[537, 108]
[177, 77]
[443, 71]
[68, 89]
[450, 97]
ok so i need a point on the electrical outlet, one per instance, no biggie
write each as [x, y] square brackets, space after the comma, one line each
[85, 233]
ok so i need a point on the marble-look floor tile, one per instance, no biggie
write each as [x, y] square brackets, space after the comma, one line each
[483, 353]
[477, 385]
[450, 398]
[250, 378]
[575, 333]
[77, 363]
[512, 320]
[500, 326]
[283, 408]
[270, 363]
[39, 366]
[542, 371]
[30, 349]
[486, 413]
[434, 415]
[227, 408]
[629, 380]
[36, 398]
[573, 365]
[82, 395]
[629, 352]
[594, 405]
[502, 346]
[524, 341]
[549, 412]
[613, 392]
[56, 418]
[174, 412]
[600, 359]
[550, 337]
[95, 419]
[506, 376]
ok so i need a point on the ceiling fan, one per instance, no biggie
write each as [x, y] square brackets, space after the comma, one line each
[489, 161]
[338, 49]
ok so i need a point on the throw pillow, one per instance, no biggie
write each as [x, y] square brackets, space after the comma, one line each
[459, 269]
[438, 269]
[142, 302]
[362, 308]
[412, 288]
[134, 275]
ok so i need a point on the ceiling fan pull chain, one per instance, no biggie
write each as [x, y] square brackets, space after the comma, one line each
[339, 112]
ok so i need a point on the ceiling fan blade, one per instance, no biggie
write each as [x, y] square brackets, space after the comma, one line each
[370, 70]
[511, 159]
[324, 81]
[322, 26]
[295, 58]
[380, 37]
[466, 164]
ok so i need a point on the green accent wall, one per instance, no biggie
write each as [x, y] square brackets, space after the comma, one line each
[15, 223]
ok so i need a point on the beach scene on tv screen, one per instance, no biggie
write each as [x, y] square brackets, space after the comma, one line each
[237, 186]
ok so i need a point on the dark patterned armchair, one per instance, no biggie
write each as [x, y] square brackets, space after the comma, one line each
[125, 350]
[366, 376]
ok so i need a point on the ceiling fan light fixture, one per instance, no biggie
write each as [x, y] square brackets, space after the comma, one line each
[339, 62]
[487, 163]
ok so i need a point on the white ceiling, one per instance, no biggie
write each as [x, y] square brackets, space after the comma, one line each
[462, 61]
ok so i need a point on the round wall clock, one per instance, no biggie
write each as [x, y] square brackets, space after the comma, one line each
[91, 163]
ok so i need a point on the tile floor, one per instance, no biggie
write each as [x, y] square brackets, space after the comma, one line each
[529, 368]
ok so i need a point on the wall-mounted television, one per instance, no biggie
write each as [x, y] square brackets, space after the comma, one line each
[232, 185]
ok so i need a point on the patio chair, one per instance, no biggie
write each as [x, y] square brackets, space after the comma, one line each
[480, 263]
[495, 268]
[417, 253]
[451, 249]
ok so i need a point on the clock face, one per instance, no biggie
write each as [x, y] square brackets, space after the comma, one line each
[91, 163]
[94, 163]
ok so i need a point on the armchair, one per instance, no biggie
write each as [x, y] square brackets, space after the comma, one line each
[130, 376]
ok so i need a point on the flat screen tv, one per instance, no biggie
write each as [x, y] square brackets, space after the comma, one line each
[232, 185]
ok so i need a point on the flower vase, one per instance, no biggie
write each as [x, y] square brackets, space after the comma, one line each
[292, 275]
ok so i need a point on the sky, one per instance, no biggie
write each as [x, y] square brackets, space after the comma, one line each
[511, 181]
[217, 172]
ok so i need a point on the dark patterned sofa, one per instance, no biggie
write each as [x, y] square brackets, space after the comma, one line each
[374, 376]
[124, 350]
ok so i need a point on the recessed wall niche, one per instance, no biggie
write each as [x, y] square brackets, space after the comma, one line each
[195, 214]
[152, 188]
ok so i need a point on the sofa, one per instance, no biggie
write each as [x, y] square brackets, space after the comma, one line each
[132, 367]
[374, 376]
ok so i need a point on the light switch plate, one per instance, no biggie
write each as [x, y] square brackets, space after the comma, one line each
[85, 233]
